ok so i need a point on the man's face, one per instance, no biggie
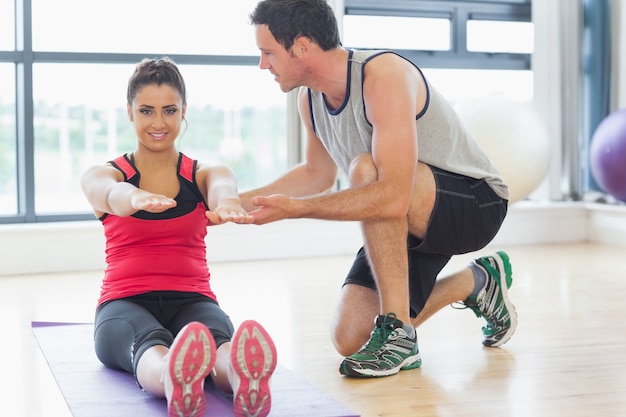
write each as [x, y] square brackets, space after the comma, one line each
[283, 64]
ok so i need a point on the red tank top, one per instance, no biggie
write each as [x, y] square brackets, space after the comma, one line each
[158, 251]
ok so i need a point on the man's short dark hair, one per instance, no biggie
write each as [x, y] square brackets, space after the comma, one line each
[289, 19]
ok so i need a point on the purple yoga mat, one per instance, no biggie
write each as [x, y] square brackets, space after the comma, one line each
[91, 390]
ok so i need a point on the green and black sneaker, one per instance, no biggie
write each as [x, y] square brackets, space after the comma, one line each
[492, 302]
[388, 351]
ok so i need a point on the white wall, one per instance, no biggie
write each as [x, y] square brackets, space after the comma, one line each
[79, 246]
[76, 246]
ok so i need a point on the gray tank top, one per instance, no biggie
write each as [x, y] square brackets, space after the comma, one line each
[443, 141]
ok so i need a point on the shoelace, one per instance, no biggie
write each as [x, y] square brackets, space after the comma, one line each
[492, 325]
[378, 338]
[460, 305]
[488, 329]
[380, 335]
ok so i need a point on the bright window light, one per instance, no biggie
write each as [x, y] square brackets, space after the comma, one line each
[392, 32]
[496, 36]
[144, 26]
[87, 124]
[7, 25]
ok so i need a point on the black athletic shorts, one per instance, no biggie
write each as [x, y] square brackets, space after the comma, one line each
[125, 328]
[466, 217]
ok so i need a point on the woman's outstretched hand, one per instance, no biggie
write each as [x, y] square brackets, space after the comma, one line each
[153, 203]
[229, 210]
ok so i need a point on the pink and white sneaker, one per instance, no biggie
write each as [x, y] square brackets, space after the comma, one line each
[253, 360]
[190, 359]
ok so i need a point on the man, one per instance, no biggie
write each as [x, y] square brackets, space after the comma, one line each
[420, 186]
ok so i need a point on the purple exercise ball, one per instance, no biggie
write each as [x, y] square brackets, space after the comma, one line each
[607, 154]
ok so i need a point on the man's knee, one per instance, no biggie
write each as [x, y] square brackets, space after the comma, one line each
[354, 319]
[363, 170]
[344, 339]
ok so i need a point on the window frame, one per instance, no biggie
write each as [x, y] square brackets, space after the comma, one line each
[459, 13]
[24, 58]
[458, 57]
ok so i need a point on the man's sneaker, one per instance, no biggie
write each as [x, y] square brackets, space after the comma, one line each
[388, 351]
[492, 302]
[190, 360]
[253, 360]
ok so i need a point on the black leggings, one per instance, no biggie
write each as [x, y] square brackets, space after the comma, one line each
[466, 217]
[124, 329]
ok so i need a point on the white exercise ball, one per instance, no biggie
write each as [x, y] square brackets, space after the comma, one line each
[514, 138]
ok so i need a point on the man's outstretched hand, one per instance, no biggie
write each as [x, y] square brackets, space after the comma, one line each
[272, 208]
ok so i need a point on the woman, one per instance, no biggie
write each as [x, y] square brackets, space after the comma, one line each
[157, 316]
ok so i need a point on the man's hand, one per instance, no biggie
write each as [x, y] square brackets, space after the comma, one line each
[272, 208]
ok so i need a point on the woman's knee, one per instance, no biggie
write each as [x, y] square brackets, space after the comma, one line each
[113, 340]
[362, 170]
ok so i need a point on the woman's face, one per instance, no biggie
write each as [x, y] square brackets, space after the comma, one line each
[157, 112]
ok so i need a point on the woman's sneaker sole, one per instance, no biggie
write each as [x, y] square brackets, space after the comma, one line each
[253, 359]
[192, 357]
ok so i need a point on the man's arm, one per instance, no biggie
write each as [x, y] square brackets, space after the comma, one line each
[317, 174]
[390, 94]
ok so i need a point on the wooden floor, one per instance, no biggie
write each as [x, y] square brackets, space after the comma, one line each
[567, 358]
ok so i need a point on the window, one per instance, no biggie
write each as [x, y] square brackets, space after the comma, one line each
[80, 119]
[470, 34]
[396, 32]
[8, 167]
[194, 27]
[498, 36]
[7, 25]
[468, 49]
[494, 58]
[429, 36]
[66, 108]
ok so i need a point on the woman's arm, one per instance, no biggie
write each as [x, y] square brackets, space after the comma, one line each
[222, 195]
[107, 192]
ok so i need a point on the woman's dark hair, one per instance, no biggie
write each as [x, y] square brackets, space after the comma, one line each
[151, 71]
[289, 19]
